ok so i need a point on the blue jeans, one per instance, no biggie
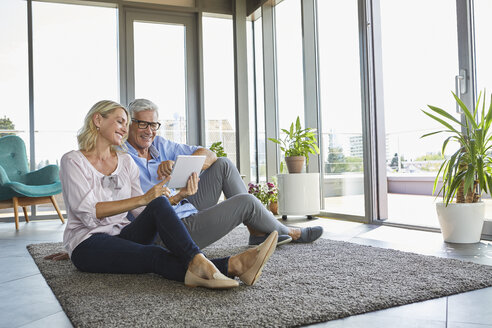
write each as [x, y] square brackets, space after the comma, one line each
[133, 251]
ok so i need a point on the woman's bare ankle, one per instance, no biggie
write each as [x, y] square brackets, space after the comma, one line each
[295, 233]
[240, 263]
[202, 267]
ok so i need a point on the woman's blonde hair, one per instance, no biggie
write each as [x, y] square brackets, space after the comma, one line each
[87, 136]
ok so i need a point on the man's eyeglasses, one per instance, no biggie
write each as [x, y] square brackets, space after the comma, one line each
[154, 126]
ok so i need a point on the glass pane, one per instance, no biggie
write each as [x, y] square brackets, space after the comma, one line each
[340, 91]
[416, 71]
[218, 67]
[483, 28]
[14, 115]
[251, 100]
[290, 78]
[260, 100]
[75, 65]
[160, 74]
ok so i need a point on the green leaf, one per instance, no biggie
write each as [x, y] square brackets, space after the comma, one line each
[446, 124]
[469, 178]
[444, 144]
[432, 133]
[482, 118]
[481, 175]
[465, 111]
[489, 181]
[454, 185]
[488, 118]
[444, 113]
[436, 180]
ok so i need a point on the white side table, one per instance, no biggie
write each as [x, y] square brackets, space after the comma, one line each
[298, 194]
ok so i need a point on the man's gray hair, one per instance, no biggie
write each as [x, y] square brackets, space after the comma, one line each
[139, 105]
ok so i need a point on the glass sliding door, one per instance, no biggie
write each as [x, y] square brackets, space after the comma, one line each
[218, 84]
[417, 71]
[14, 79]
[160, 67]
[75, 58]
[257, 102]
[256, 111]
[160, 73]
[341, 111]
[483, 27]
[290, 76]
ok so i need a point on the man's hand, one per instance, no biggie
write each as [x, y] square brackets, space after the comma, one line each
[157, 191]
[191, 186]
[61, 256]
[165, 169]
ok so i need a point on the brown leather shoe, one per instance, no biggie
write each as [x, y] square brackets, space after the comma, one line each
[218, 282]
[265, 250]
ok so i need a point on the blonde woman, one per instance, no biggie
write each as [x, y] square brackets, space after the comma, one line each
[100, 185]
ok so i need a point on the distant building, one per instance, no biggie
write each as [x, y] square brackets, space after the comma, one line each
[356, 146]
[216, 130]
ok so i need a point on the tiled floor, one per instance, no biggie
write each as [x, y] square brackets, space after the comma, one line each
[27, 301]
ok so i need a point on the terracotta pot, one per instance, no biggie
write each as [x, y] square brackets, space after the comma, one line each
[273, 207]
[295, 163]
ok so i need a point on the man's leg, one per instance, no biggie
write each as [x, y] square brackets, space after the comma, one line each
[208, 226]
[222, 176]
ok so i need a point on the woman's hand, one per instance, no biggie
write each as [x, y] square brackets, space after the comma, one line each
[61, 256]
[157, 191]
[191, 186]
[165, 169]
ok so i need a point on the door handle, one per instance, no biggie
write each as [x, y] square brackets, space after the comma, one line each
[460, 86]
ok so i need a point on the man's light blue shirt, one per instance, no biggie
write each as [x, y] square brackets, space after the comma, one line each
[162, 150]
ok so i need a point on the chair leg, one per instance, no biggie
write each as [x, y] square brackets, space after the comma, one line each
[25, 213]
[53, 200]
[16, 212]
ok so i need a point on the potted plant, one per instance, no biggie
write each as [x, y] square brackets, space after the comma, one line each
[267, 193]
[297, 144]
[218, 149]
[466, 174]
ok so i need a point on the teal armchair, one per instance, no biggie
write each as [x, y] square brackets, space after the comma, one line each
[18, 186]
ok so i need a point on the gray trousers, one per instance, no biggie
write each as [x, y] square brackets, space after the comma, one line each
[213, 221]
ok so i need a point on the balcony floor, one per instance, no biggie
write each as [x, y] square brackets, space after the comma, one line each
[406, 209]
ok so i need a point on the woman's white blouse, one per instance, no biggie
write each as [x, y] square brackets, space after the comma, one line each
[84, 187]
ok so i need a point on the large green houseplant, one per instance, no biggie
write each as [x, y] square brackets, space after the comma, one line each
[467, 173]
[297, 144]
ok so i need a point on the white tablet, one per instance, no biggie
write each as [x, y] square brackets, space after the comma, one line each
[184, 166]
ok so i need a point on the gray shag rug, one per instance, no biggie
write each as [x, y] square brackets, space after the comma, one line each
[301, 284]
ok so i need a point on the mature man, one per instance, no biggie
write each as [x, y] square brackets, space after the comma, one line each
[206, 220]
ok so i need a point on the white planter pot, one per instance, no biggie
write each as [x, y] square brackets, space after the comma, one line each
[461, 223]
[298, 194]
